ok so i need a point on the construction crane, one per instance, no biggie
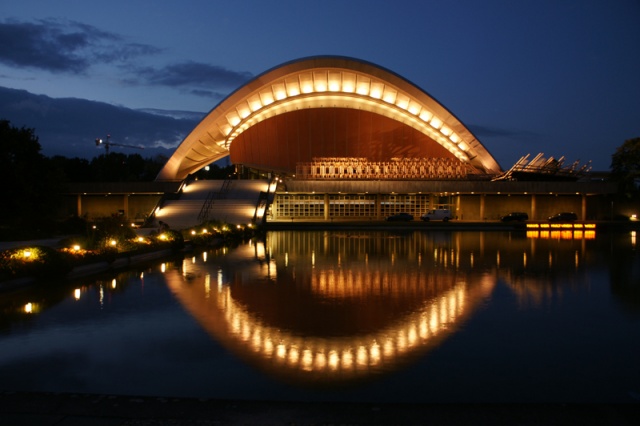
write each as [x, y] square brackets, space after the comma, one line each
[108, 143]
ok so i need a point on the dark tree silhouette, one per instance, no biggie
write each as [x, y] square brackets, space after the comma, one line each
[625, 166]
[30, 185]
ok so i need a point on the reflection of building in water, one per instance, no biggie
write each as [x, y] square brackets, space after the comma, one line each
[336, 306]
[320, 320]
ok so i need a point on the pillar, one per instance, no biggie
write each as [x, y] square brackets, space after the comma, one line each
[533, 207]
[326, 206]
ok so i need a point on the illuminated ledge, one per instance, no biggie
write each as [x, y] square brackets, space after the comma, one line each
[561, 226]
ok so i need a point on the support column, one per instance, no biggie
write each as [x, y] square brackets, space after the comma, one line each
[482, 198]
[326, 206]
[378, 207]
[584, 207]
[79, 205]
[533, 207]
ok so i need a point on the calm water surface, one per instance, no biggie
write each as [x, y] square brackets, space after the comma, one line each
[346, 316]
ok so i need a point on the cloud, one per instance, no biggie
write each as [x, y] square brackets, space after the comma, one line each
[69, 126]
[199, 77]
[498, 132]
[63, 46]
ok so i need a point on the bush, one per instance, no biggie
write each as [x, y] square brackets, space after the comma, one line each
[33, 261]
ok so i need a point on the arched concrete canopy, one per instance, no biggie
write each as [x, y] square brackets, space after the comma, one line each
[324, 82]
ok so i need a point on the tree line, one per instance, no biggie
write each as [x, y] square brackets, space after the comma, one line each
[31, 182]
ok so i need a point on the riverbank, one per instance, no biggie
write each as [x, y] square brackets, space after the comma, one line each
[123, 261]
[48, 409]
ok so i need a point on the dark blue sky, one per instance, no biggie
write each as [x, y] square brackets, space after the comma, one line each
[559, 77]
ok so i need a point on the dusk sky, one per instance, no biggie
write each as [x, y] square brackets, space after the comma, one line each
[559, 77]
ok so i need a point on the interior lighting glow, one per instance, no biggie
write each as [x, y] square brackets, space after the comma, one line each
[226, 129]
[414, 108]
[376, 90]
[28, 308]
[293, 87]
[334, 81]
[320, 81]
[426, 116]
[254, 103]
[446, 131]
[363, 85]
[307, 360]
[233, 118]
[348, 82]
[334, 360]
[76, 294]
[279, 91]
[243, 110]
[455, 139]
[321, 360]
[402, 101]
[389, 95]
[435, 123]
[361, 356]
[267, 98]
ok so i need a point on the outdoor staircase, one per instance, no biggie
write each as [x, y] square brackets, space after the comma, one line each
[230, 201]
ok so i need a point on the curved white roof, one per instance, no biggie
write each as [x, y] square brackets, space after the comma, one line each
[324, 82]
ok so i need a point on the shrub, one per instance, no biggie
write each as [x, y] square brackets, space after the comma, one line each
[33, 261]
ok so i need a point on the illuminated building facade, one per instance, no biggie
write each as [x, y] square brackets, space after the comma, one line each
[349, 139]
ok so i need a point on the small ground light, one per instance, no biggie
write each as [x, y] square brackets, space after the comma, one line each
[141, 239]
[27, 254]
[193, 232]
[163, 237]
[76, 247]
[112, 242]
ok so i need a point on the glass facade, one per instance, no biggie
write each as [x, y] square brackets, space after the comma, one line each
[329, 206]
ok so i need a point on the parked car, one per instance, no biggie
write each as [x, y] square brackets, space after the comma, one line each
[564, 217]
[439, 214]
[400, 217]
[515, 217]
